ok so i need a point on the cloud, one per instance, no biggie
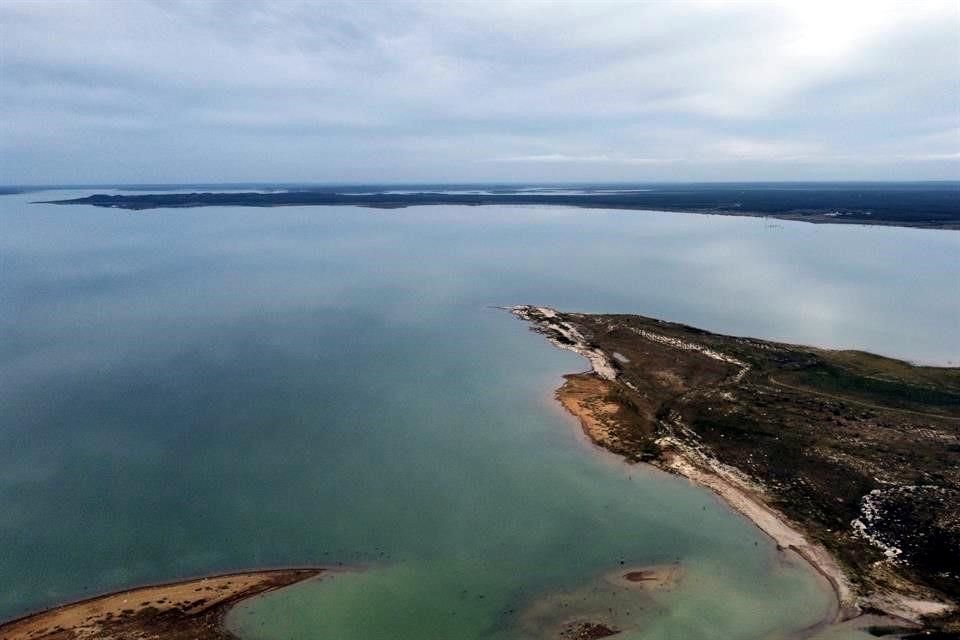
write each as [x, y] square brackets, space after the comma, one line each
[755, 149]
[600, 158]
[934, 156]
[257, 90]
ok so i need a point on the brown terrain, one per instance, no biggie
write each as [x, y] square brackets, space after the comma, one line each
[187, 610]
[850, 459]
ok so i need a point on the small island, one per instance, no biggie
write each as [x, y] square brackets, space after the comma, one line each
[849, 459]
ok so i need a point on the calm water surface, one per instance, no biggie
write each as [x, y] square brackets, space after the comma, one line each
[188, 391]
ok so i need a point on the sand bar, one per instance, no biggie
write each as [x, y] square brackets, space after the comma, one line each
[185, 610]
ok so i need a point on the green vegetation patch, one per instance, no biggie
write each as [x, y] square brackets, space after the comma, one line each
[833, 380]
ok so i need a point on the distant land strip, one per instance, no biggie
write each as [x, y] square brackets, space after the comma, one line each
[935, 207]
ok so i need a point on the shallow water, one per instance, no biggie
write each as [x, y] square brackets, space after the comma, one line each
[188, 391]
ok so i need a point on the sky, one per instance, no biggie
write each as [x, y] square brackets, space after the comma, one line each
[178, 91]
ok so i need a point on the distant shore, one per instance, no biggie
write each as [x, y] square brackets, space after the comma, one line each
[929, 208]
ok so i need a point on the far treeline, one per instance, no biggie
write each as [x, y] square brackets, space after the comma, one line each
[935, 205]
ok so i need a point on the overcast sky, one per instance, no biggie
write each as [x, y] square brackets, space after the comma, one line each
[188, 91]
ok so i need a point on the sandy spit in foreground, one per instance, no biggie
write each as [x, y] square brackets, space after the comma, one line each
[190, 609]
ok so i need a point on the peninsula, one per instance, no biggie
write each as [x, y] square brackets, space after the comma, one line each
[850, 459]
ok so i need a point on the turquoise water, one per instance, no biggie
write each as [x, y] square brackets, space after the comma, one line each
[189, 391]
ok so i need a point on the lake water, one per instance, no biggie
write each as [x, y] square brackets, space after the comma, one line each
[191, 391]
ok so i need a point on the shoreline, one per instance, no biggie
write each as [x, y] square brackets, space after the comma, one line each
[595, 414]
[747, 502]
